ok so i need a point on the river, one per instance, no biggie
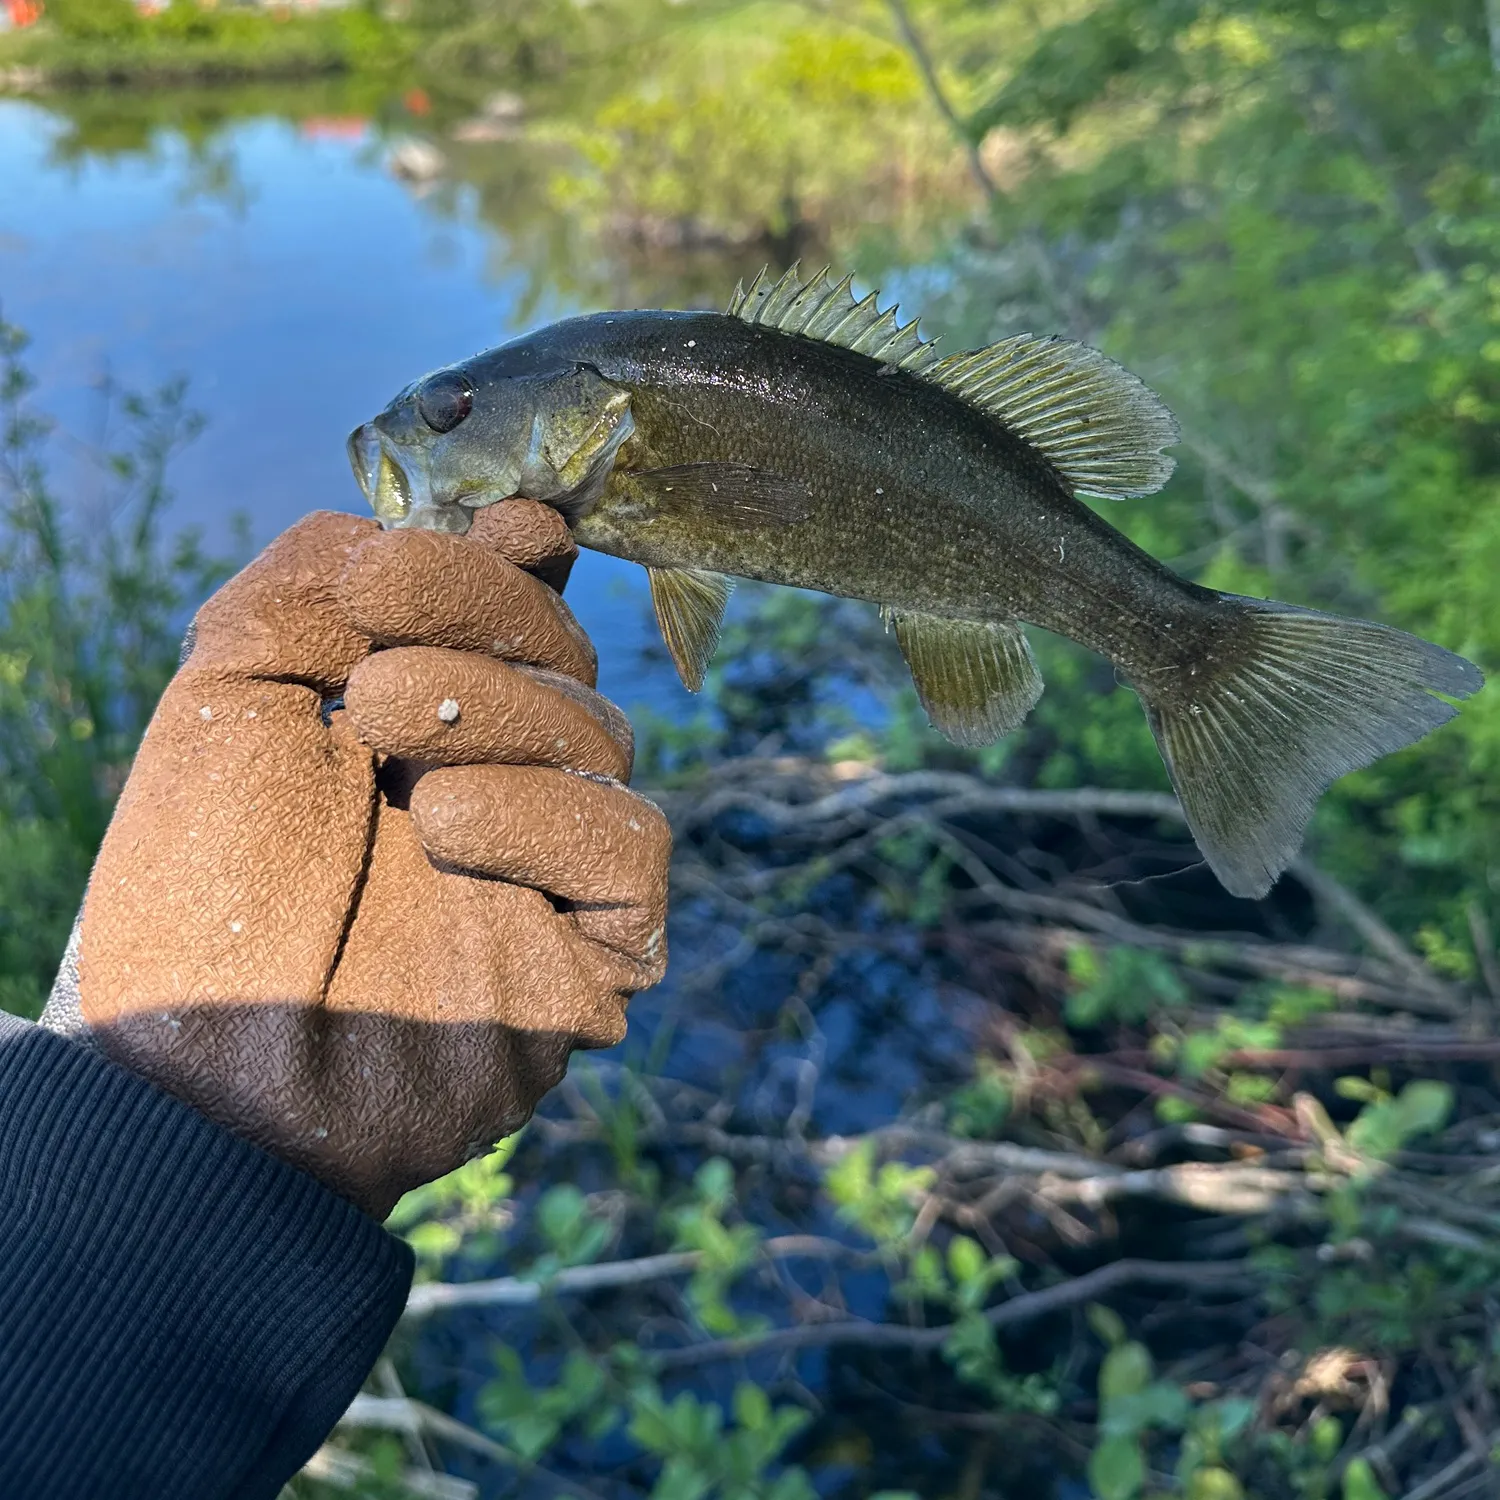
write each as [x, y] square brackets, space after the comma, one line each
[297, 282]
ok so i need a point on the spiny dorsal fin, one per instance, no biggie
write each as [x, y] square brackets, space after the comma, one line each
[689, 610]
[1102, 428]
[824, 310]
[977, 679]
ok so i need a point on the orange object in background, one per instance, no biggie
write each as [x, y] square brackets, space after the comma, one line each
[417, 101]
[24, 13]
[333, 127]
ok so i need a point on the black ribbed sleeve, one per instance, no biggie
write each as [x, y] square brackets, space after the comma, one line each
[182, 1316]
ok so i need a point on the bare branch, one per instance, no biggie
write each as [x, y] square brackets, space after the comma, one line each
[514, 1291]
[1339, 898]
[1484, 940]
[396, 1414]
[914, 44]
[1018, 1310]
[1441, 1483]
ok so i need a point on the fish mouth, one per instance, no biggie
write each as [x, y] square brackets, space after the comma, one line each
[397, 492]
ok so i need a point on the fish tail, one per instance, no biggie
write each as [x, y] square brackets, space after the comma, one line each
[1289, 701]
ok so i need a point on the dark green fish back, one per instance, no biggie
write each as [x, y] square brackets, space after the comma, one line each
[1101, 427]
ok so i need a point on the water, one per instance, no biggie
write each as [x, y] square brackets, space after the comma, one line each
[298, 285]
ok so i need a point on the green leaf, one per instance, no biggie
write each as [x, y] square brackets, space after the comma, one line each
[531, 1433]
[681, 1480]
[1126, 1371]
[966, 1259]
[1384, 1127]
[1107, 1323]
[560, 1214]
[752, 1407]
[714, 1183]
[1117, 1469]
[1214, 1484]
[1327, 1438]
[1360, 1482]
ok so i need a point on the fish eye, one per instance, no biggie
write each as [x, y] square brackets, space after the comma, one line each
[445, 400]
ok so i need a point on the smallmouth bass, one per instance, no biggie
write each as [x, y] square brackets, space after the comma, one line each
[803, 438]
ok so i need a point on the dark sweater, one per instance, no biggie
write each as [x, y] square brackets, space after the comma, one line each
[182, 1316]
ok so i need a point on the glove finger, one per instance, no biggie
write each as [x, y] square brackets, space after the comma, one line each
[280, 617]
[596, 846]
[454, 708]
[531, 535]
[425, 588]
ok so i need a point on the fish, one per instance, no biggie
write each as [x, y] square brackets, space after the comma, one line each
[806, 437]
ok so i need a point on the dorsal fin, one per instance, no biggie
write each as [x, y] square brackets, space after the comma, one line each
[820, 309]
[1102, 428]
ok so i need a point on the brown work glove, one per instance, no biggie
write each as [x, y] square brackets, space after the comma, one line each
[367, 939]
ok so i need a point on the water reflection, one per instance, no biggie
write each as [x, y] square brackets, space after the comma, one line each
[283, 268]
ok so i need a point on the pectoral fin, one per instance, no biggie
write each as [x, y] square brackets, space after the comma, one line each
[689, 609]
[977, 679]
[736, 494]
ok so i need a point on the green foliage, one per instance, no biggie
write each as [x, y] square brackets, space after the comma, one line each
[1284, 213]
[769, 121]
[879, 1200]
[1387, 1123]
[96, 20]
[725, 1250]
[1360, 1482]
[1132, 1404]
[1127, 985]
[702, 1456]
[468, 1211]
[104, 43]
[980, 1107]
[531, 1416]
[92, 611]
[1286, 216]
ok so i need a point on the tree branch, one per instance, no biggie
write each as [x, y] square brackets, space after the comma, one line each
[914, 44]
[1018, 1310]
[515, 1291]
[398, 1414]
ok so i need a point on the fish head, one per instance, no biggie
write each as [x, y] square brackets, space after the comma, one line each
[474, 433]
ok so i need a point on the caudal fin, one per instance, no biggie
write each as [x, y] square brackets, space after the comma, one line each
[1296, 699]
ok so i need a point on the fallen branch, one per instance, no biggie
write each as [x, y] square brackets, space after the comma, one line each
[342, 1470]
[1441, 1484]
[515, 1291]
[1329, 893]
[1018, 1310]
[1322, 1059]
[401, 1414]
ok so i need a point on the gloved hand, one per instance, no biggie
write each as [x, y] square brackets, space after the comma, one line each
[367, 939]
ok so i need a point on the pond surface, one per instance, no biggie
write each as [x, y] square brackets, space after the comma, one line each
[297, 283]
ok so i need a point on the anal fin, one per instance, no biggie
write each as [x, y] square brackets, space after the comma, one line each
[689, 606]
[977, 679]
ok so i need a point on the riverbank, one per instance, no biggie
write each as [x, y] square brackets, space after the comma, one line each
[206, 48]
